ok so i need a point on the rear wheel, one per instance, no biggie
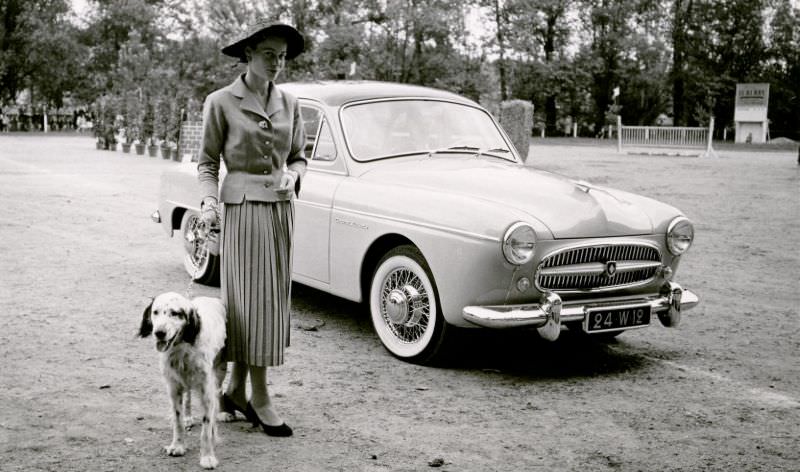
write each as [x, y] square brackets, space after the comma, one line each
[405, 308]
[199, 263]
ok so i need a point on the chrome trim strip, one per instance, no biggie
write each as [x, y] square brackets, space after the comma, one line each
[598, 268]
[445, 229]
[326, 171]
[313, 204]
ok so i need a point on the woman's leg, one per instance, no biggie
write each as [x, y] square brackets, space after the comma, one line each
[237, 387]
[260, 398]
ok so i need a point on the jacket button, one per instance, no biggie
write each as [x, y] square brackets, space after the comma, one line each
[266, 142]
[266, 157]
[262, 124]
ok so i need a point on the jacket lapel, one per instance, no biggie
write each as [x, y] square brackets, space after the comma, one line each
[250, 101]
[275, 102]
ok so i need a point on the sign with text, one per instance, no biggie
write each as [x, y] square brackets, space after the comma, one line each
[751, 102]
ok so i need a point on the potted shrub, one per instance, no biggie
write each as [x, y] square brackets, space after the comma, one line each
[132, 113]
[109, 123]
[163, 134]
[148, 126]
[97, 113]
[176, 119]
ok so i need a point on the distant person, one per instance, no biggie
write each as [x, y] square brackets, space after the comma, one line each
[258, 132]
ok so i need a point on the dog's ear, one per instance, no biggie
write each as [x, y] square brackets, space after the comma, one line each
[146, 328]
[192, 326]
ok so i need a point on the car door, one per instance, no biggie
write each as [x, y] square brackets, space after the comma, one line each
[313, 208]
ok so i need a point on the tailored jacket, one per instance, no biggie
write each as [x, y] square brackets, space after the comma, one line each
[257, 144]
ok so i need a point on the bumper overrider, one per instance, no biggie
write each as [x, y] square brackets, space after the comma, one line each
[547, 315]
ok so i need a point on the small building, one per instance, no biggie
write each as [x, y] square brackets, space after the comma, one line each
[750, 113]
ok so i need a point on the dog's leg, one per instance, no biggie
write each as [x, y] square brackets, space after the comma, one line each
[175, 393]
[188, 419]
[208, 433]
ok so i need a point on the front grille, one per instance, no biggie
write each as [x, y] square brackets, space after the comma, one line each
[600, 267]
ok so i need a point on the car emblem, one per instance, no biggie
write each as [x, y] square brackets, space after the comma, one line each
[611, 268]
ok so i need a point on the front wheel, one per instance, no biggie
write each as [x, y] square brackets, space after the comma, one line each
[404, 306]
[199, 262]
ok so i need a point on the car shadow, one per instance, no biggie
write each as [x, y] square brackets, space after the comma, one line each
[522, 353]
[516, 352]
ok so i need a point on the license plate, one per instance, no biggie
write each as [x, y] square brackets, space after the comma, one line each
[615, 319]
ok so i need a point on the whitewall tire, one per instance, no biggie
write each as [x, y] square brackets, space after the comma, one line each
[405, 307]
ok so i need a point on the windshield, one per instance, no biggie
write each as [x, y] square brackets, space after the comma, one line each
[402, 127]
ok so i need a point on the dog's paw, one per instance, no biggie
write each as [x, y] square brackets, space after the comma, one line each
[175, 450]
[208, 462]
[188, 422]
[225, 417]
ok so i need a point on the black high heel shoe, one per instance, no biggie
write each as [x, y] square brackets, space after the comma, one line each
[281, 431]
[229, 406]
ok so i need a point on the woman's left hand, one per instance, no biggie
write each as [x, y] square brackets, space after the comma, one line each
[288, 180]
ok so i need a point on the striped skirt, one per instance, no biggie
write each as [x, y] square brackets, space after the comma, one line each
[256, 280]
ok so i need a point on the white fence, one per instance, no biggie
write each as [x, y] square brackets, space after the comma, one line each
[681, 137]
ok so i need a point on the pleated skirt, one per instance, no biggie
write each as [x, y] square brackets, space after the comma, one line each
[256, 280]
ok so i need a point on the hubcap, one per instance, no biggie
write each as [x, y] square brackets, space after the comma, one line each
[404, 306]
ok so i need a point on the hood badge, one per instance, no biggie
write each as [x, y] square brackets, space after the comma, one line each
[611, 269]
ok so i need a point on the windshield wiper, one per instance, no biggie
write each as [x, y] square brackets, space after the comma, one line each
[452, 148]
[478, 151]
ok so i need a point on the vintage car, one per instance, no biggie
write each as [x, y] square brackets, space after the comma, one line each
[417, 203]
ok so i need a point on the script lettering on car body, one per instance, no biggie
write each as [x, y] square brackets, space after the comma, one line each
[351, 223]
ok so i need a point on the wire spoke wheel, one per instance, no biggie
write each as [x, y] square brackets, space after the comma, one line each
[404, 307]
[199, 263]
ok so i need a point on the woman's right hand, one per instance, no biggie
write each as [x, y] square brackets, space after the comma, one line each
[209, 214]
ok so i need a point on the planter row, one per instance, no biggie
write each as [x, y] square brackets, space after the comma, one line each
[152, 151]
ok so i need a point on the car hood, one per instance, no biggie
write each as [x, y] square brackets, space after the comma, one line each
[568, 208]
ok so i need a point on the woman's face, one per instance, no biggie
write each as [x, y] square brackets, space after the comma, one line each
[267, 58]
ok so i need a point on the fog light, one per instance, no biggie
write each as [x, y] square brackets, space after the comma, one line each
[523, 284]
[666, 272]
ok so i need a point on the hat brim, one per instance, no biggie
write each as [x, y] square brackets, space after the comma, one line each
[295, 43]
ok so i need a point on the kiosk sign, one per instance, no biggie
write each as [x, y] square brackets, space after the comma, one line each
[750, 112]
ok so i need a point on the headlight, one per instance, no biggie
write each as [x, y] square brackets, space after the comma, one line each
[519, 243]
[680, 235]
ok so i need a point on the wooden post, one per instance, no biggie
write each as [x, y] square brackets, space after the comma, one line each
[709, 149]
[575, 130]
[619, 133]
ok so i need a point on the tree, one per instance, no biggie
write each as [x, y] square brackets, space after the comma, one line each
[35, 35]
[782, 70]
[540, 30]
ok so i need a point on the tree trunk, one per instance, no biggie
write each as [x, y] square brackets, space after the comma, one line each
[501, 60]
[678, 61]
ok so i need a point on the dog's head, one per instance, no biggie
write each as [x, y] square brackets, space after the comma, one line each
[170, 318]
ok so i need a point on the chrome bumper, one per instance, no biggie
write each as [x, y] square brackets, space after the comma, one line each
[548, 315]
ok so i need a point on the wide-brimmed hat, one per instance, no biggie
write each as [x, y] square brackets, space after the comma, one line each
[295, 44]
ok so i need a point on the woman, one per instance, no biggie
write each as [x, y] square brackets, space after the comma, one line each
[258, 132]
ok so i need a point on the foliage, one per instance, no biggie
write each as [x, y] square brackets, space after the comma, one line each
[681, 58]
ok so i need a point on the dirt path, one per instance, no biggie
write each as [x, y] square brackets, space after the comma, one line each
[80, 258]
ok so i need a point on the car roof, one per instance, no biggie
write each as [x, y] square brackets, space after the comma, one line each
[339, 92]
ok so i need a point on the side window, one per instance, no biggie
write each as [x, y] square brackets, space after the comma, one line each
[326, 149]
[311, 117]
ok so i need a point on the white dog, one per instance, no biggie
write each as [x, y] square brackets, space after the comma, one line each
[190, 336]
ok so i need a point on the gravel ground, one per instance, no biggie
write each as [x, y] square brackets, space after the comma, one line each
[80, 259]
